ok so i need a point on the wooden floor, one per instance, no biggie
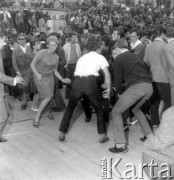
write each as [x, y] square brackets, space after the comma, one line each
[36, 154]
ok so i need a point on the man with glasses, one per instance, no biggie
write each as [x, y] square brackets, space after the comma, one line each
[21, 58]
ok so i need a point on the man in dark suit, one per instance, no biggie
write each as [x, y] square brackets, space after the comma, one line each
[21, 58]
[9, 81]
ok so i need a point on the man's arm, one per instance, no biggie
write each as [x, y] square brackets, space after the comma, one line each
[140, 50]
[106, 92]
[169, 57]
[118, 75]
[15, 66]
[6, 80]
[146, 56]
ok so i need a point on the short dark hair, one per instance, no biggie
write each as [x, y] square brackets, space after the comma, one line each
[55, 34]
[135, 30]
[121, 43]
[170, 32]
[120, 31]
[159, 30]
[72, 34]
[92, 45]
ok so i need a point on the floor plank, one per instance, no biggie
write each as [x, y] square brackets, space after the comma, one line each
[36, 154]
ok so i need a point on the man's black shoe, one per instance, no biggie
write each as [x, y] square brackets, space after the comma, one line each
[123, 149]
[103, 139]
[23, 107]
[143, 138]
[2, 140]
[87, 119]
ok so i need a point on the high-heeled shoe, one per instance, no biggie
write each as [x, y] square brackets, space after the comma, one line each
[36, 124]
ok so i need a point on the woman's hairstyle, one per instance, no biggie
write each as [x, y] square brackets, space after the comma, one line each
[33, 43]
[52, 38]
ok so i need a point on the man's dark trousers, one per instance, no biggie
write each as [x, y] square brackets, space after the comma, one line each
[84, 86]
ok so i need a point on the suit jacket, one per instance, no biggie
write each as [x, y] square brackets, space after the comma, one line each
[19, 19]
[4, 79]
[154, 56]
[42, 25]
[2, 17]
[21, 61]
[67, 49]
[169, 61]
[60, 52]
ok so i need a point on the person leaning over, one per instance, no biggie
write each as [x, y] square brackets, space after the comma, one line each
[85, 84]
[128, 67]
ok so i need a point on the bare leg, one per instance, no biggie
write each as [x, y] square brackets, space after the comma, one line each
[41, 108]
[36, 101]
[161, 107]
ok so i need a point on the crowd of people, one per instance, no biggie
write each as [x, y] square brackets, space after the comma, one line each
[119, 61]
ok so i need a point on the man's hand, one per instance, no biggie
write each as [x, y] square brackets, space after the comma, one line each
[39, 77]
[66, 81]
[19, 74]
[106, 93]
[66, 67]
[19, 80]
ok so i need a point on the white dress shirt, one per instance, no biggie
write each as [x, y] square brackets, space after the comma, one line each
[23, 48]
[90, 64]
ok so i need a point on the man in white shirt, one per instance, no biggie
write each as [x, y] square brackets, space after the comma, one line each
[85, 84]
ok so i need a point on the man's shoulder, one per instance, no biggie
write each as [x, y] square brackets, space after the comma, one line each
[66, 45]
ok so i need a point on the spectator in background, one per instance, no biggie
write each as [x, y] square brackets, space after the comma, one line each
[137, 46]
[42, 25]
[35, 46]
[22, 57]
[154, 58]
[19, 21]
[72, 54]
[169, 60]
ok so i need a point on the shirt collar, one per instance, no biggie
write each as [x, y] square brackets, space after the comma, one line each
[23, 48]
[124, 50]
[158, 39]
[134, 45]
[172, 39]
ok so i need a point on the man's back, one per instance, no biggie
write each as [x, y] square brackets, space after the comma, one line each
[90, 64]
[130, 69]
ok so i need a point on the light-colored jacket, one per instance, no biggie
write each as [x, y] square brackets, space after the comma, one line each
[67, 49]
[42, 25]
[169, 61]
[154, 56]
